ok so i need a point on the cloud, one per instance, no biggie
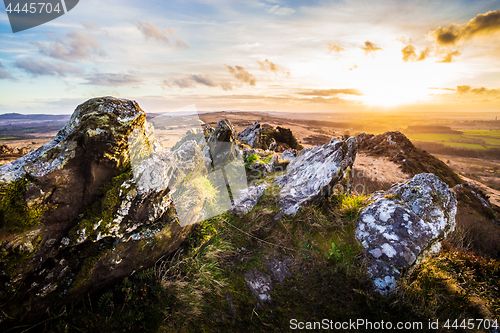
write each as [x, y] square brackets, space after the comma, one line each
[112, 80]
[4, 74]
[370, 48]
[39, 67]
[329, 92]
[409, 53]
[267, 66]
[148, 30]
[424, 54]
[193, 80]
[181, 44]
[281, 11]
[334, 47]
[465, 89]
[481, 25]
[449, 56]
[76, 46]
[242, 74]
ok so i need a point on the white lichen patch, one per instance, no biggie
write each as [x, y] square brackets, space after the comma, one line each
[404, 225]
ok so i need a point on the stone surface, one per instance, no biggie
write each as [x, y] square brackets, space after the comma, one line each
[260, 286]
[313, 174]
[403, 226]
[288, 155]
[251, 136]
[246, 199]
[102, 189]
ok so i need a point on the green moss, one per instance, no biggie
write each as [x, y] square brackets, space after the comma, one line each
[98, 218]
[15, 215]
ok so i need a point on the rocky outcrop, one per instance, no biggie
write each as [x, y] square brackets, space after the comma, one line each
[96, 203]
[313, 174]
[246, 199]
[399, 149]
[404, 225]
[251, 136]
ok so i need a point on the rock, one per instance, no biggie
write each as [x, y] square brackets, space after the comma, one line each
[246, 199]
[313, 174]
[91, 206]
[399, 149]
[222, 144]
[403, 226]
[251, 136]
[260, 286]
[273, 145]
[288, 155]
[279, 269]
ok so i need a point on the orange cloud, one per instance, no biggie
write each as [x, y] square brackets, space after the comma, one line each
[449, 56]
[242, 74]
[370, 48]
[481, 25]
[409, 53]
[334, 47]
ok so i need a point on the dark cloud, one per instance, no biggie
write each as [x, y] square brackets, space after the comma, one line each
[4, 74]
[334, 47]
[242, 74]
[370, 48]
[76, 46]
[39, 67]
[112, 80]
[449, 56]
[483, 24]
[330, 92]
[409, 53]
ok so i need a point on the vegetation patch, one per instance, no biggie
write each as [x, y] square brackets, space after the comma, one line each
[15, 215]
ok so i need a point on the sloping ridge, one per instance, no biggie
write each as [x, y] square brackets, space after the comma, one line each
[399, 149]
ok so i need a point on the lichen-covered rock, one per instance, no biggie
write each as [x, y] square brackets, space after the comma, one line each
[251, 136]
[78, 218]
[246, 199]
[403, 226]
[313, 174]
[222, 144]
[288, 155]
[260, 286]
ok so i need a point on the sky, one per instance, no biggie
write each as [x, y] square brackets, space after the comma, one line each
[267, 55]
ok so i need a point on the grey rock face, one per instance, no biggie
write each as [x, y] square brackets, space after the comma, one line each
[288, 155]
[251, 136]
[313, 174]
[404, 225]
[222, 144]
[260, 286]
[246, 199]
[129, 226]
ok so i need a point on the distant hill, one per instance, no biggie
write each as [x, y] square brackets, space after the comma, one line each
[33, 117]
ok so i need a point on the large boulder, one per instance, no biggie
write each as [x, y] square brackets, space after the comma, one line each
[88, 208]
[404, 225]
[314, 173]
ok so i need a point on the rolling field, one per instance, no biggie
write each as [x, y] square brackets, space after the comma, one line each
[473, 139]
